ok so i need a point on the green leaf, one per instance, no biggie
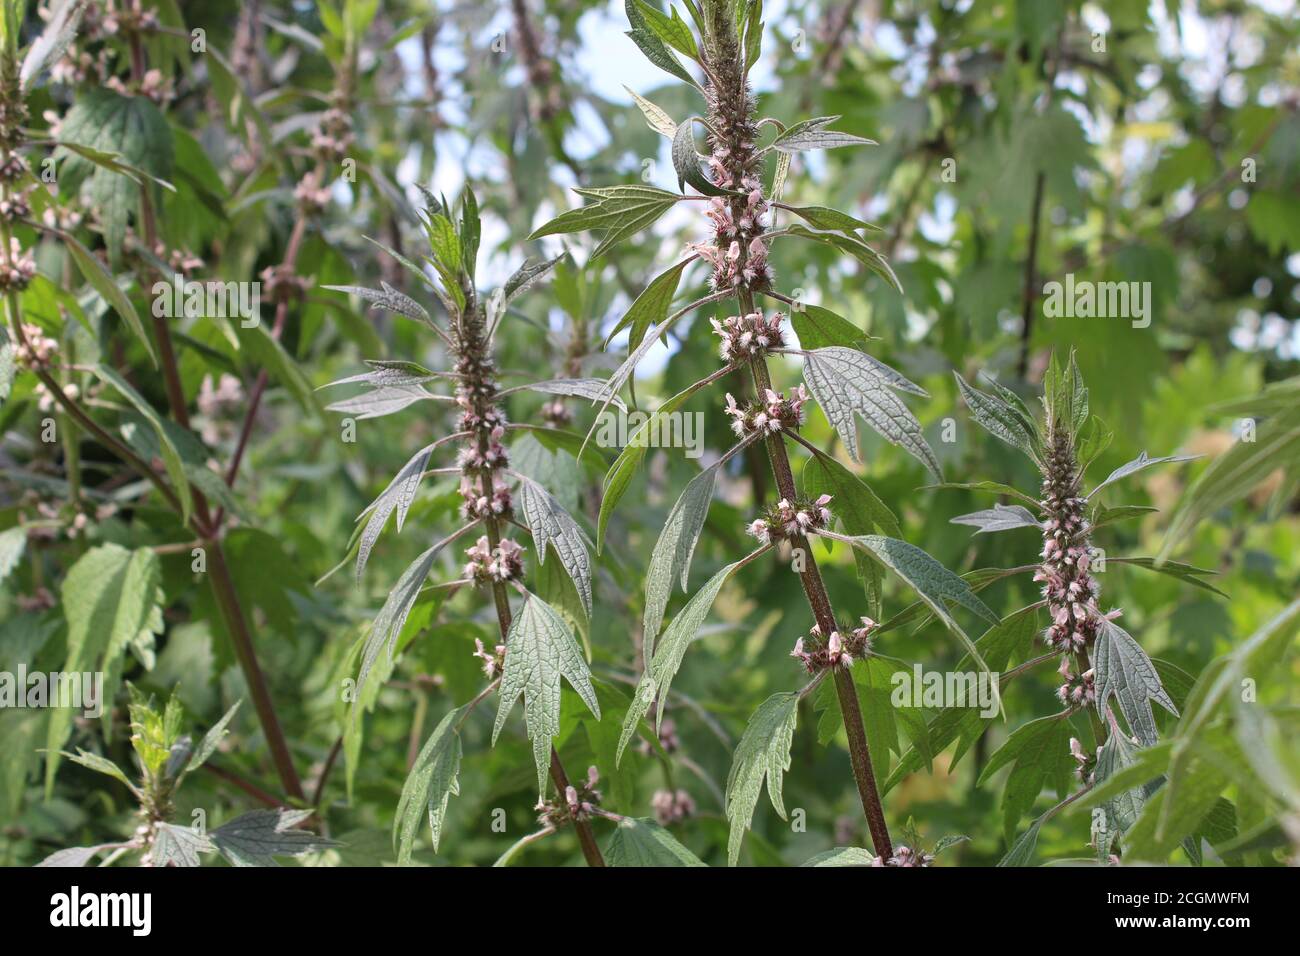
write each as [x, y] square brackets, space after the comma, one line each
[52, 42]
[651, 44]
[818, 328]
[1176, 569]
[859, 511]
[998, 518]
[847, 382]
[668, 654]
[540, 650]
[551, 524]
[130, 127]
[172, 461]
[1039, 752]
[638, 842]
[433, 780]
[762, 754]
[999, 419]
[656, 118]
[211, 740]
[93, 271]
[823, 217]
[1124, 671]
[850, 244]
[257, 837]
[101, 765]
[650, 308]
[686, 161]
[935, 584]
[842, 856]
[179, 846]
[1022, 851]
[620, 211]
[812, 134]
[671, 558]
[109, 595]
[991, 487]
[1137, 464]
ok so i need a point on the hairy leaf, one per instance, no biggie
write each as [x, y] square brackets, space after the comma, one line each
[551, 524]
[671, 558]
[998, 518]
[431, 783]
[637, 842]
[762, 754]
[1124, 671]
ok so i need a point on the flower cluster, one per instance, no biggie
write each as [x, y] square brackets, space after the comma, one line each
[579, 803]
[218, 405]
[17, 268]
[478, 505]
[817, 654]
[905, 856]
[487, 564]
[283, 284]
[1070, 590]
[1086, 764]
[738, 253]
[333, 137]
[770, 416]
[1078, 690]
[15, 206]
[494, 662]
[788, 521]
[746, 337]
[672, 806]
[311, 196]
[37, 350]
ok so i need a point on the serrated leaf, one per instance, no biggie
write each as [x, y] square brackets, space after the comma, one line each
[1124, 671]
[551, 524]
[850, 244]
[846, 382]
[1022, 850]
[812, 134]
[396, 497]
[763, 754]
[1039, 752]
[524, 278]
[100, 765]
[431, 783]
[379, 402]
[212, 739]
[257, 837]
[593, 388]
[109, 596]
[669, 651]
[671, 559]
[539, 651]
[621, 211]
[392, 616]
[823, 217]
[387, 299]
[991, 487]
[638, 842]
[998, 518]
[1137, 464]
[999, 419]
[179, 846]
[131, 127]
[1123, 809]
[932, 582]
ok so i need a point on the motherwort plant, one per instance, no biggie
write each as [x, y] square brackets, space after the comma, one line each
[1107, 681]
[740, 204]
[536, 646]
